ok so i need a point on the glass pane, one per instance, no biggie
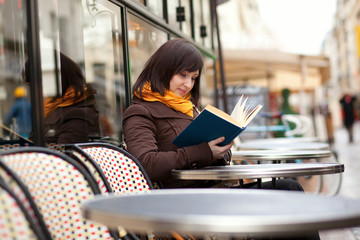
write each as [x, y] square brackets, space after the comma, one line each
[155, 6]
[15, 108]
[104, 64]
[87, 33]
[184, 26]
[144, 40]
[207, 87]
[202, 20]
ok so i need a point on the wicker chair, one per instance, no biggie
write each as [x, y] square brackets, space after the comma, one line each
[22, 193]
[121, 171]
[115, 170]
[58, 186]
[15, 221]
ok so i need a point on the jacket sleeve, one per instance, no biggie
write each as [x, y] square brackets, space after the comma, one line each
[140, 136]
[225, 160]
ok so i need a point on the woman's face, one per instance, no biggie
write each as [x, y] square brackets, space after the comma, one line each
[182, 83]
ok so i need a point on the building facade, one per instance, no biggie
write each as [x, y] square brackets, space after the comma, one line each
[342, 46]
[109, 39]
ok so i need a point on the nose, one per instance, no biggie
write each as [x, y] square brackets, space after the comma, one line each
[188, 82]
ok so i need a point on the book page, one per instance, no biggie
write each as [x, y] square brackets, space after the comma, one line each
[222, 114]
[252, 114]
[241, 112]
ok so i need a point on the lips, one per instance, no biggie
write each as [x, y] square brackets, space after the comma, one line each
[181, 91]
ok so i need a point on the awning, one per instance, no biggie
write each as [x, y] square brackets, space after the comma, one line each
[276, 70]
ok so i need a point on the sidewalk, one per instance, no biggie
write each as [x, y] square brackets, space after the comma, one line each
[349, 155]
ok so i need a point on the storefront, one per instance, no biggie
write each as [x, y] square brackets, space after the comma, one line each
[110, 40]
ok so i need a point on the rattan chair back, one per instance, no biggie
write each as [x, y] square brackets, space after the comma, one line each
[58, 186]
[15, 221]
[122, 171]
[21, 191]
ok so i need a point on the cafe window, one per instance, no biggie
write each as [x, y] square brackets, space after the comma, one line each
[179, 15]
[156, 7]
[144, 40]
[207, 86]
[13, 88]
[89, 33]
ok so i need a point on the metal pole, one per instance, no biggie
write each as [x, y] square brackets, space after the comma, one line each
[303, 65]
[33, 49]
[220, 57]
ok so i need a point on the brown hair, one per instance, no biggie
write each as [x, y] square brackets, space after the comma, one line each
[71, 76]
[173, 57]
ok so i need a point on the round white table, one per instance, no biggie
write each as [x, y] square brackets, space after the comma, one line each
[278, 155]
[224, 211]
[283, 140]
[284, 146]
[256, 171]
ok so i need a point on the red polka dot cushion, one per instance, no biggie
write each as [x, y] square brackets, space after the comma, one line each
[93, 170]
[13, 223]
[15, 188]
[58, 189]
[121, 172]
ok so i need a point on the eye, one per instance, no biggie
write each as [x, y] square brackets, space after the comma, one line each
[183, 74]
[195, 77]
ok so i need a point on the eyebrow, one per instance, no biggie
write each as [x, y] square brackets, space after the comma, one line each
[191, 72]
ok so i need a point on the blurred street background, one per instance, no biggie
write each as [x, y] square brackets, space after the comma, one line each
[310, 48]
[349, 155]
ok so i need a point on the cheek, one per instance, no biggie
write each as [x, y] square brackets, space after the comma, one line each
[172, 84]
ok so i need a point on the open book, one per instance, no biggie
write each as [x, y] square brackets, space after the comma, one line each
[213, 123]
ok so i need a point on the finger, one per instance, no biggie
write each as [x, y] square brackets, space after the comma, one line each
[226, 147]
[217, 140]
[230, 144]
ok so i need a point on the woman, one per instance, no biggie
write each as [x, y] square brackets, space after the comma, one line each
[165, 98]
[72, 116]
[348, 107]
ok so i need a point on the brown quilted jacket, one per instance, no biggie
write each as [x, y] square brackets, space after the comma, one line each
[149, 128]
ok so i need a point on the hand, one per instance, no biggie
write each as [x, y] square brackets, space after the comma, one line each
[219, 151]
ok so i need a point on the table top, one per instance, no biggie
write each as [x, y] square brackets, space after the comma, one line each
[254, 171]
[223, 211]
[274, 155]
[283, 140]
[284, 146]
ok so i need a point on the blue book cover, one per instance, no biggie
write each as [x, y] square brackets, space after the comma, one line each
[212, 123]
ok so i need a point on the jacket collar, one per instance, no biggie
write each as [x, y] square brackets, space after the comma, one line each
[160, 110]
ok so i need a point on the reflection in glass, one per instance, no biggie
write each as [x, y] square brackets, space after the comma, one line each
[156, 7]
[103, 63]
[207, 87]
[144, 40]
[19, 116]
[71, 116]
[88, 32]
[14, 125]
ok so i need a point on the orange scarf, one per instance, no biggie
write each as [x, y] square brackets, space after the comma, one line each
[67, 100]
[170, 99]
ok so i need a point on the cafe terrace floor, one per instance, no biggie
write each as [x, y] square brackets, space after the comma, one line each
[349, 155]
